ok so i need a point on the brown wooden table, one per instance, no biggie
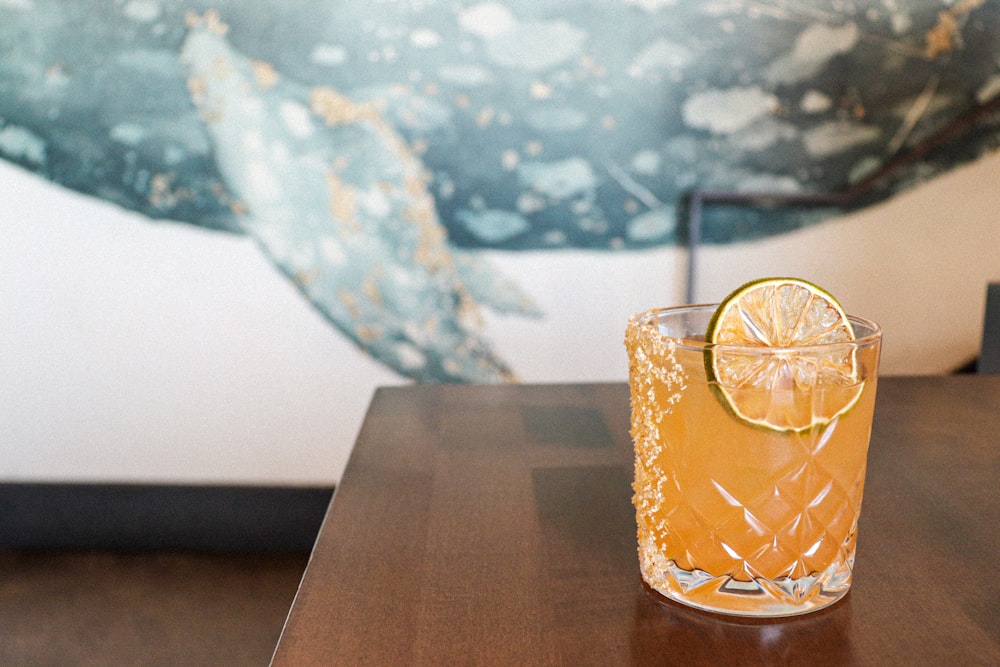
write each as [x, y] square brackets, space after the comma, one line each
[492, 525]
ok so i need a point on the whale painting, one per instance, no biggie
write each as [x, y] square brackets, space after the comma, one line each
[372, 149]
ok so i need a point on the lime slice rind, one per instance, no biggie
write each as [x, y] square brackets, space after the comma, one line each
[781, 355]
[731, 400]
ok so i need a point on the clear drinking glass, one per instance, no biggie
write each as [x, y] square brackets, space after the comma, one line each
[734, 516]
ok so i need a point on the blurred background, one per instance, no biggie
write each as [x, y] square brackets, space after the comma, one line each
[222, 231]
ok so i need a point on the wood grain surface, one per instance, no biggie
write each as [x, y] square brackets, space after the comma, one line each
[492, 525]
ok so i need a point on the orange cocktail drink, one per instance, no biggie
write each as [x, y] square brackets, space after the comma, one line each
[747, 496]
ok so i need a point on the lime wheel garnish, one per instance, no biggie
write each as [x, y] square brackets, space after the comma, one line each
[780, 355]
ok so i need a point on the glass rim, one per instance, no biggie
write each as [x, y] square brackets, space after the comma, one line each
[645, 318]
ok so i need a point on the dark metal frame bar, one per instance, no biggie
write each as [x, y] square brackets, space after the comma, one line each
[696, 200]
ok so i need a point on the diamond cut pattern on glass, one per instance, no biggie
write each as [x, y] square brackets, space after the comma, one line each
[795, 525]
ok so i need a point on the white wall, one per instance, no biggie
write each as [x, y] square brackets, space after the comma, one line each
[918, 265]
[139, 351]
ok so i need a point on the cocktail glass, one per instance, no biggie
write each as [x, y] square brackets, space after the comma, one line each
[735, 516]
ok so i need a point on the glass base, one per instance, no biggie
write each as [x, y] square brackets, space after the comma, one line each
[759, 598]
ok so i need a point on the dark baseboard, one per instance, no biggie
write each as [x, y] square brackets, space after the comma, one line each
[143, 517]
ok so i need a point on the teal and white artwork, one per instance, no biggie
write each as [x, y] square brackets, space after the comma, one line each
[374, 150]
